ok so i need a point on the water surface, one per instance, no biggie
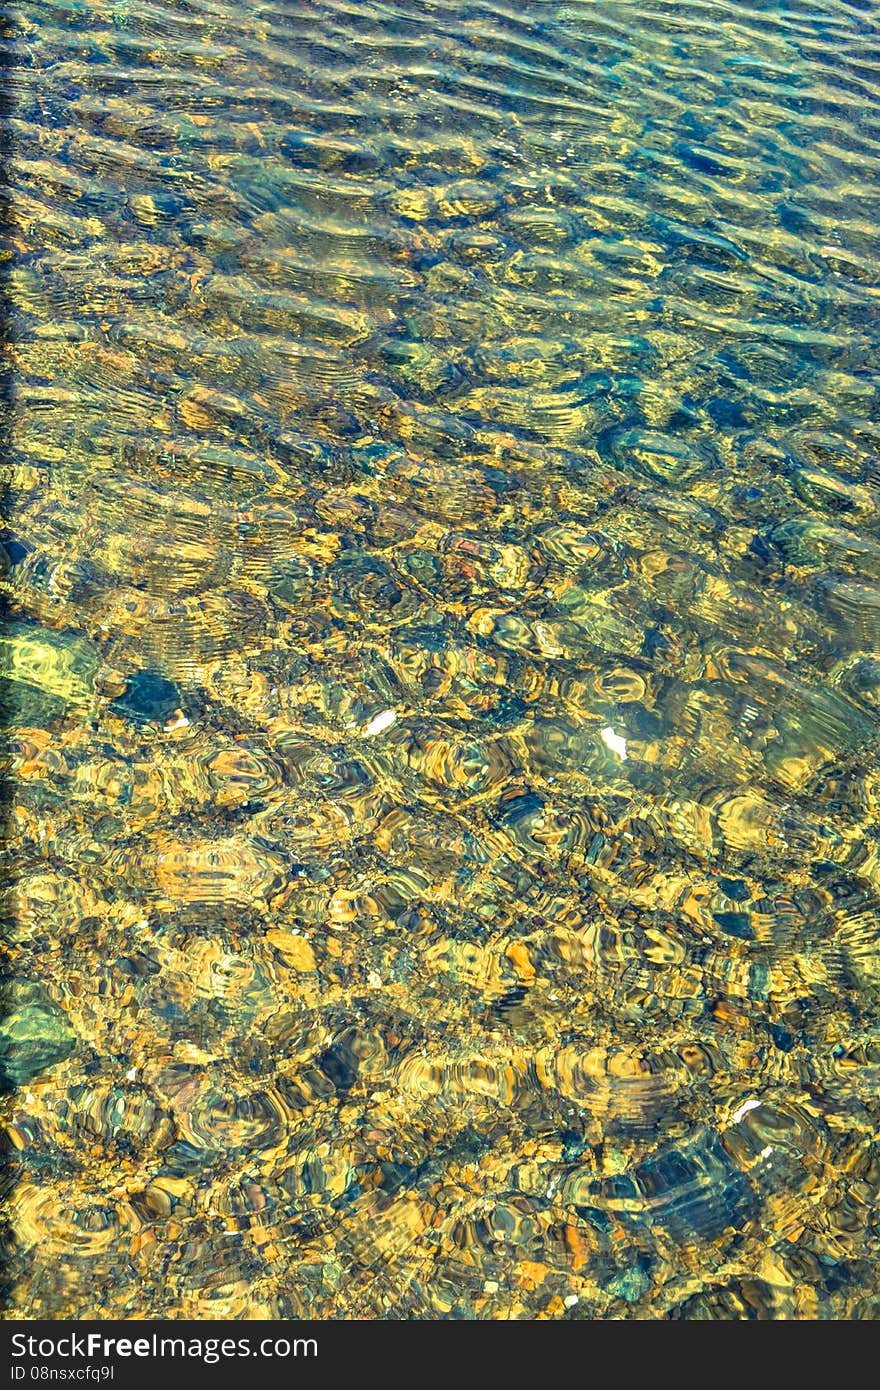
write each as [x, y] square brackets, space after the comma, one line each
[443, 659]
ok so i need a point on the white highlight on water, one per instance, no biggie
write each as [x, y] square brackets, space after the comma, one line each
[744, 1109]
[380, 722]
[616, 742]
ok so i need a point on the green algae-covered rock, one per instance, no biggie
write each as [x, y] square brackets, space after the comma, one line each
[42, 672]
[25, 707]
[630, 1285]
[34, 1033]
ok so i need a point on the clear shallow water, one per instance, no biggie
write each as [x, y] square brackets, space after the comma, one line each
[443, 660]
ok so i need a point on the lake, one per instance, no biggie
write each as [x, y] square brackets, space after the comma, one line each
[442, 659]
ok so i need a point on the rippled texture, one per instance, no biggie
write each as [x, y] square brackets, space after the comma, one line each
[443, 666]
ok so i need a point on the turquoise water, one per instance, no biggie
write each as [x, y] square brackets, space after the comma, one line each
[443, 660]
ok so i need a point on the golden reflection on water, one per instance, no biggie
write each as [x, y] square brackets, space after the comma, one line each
[443, 660]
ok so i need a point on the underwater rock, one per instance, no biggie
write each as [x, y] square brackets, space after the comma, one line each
[34, 1035]
[25, 707]
[148, 698]
[714, 1181]
[42, 672]
[694, 1192]
[854, 609]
